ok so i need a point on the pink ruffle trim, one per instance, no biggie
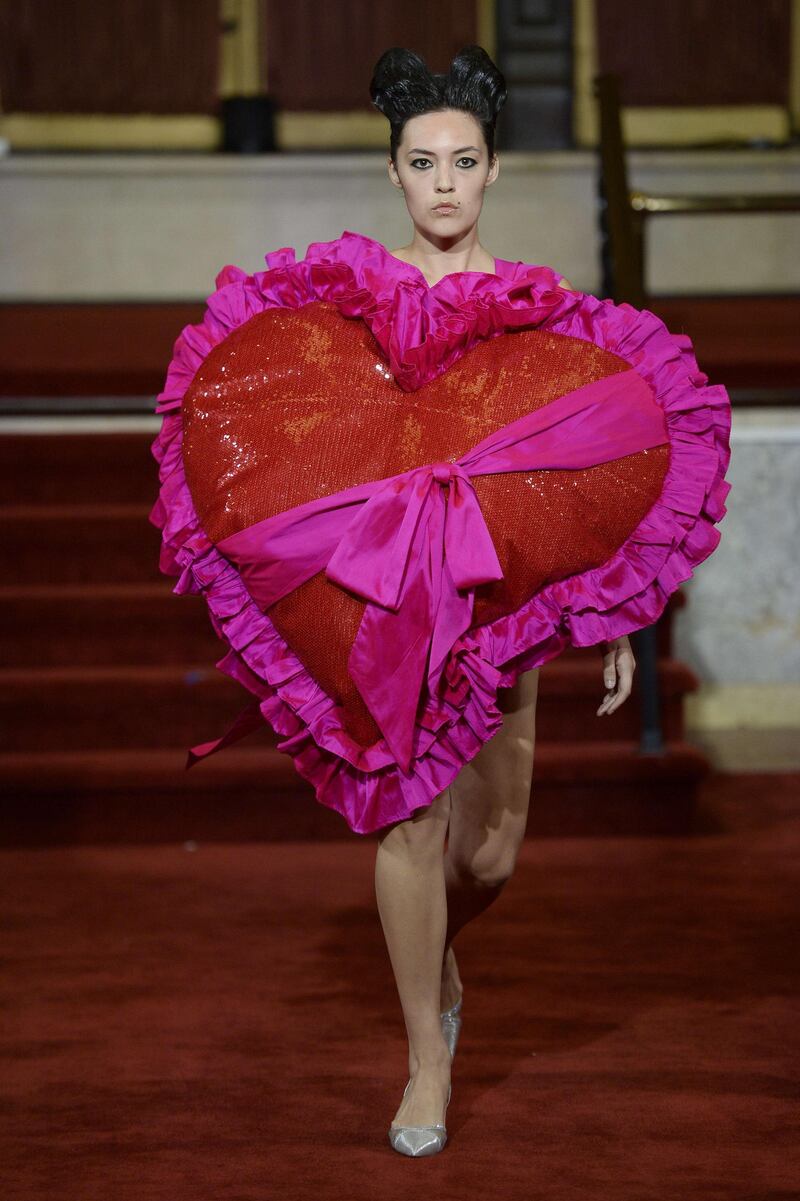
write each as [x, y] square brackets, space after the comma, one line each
[422, 331]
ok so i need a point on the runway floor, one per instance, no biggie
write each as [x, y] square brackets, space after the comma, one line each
[220, 1021]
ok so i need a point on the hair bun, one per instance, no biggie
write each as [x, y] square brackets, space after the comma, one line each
[473, 73]
[401, 82]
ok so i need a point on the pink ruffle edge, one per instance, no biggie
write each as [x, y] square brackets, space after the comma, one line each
[422, 331]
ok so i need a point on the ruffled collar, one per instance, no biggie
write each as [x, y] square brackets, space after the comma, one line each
[383, 272]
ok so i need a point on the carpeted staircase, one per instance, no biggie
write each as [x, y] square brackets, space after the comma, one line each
[108, 678]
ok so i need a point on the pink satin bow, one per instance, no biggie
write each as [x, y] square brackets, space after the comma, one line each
[416, 545]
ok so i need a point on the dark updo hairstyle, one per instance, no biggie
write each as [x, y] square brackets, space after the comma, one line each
[403, 87]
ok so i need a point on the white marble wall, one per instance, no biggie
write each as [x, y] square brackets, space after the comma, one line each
[147, 226]
[741, 628]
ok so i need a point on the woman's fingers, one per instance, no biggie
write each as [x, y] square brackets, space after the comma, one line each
[618, 668]
[625, 667]
[609, 677]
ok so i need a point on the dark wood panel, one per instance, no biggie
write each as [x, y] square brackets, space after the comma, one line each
[320, 56]
[89, 349]
[696, 52]
[89, 56]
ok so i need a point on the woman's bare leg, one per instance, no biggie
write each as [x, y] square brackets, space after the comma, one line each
[488, 817]
[412, 903]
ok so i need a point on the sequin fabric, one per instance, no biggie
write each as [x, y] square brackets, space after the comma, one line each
[299, 403]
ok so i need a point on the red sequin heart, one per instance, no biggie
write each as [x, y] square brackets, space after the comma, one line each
[300, 403]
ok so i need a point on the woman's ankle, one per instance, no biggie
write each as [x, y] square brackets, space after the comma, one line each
[434, 1062]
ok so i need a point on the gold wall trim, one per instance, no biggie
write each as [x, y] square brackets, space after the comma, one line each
[668, 125]
[794, 85]
[683, 126]
[239, 48]
[354, 130]
[90, 131]
[486, 26]
[345, 130]
[324, 130]
[585, 123]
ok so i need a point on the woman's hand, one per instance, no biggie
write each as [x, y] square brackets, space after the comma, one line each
[618, 668]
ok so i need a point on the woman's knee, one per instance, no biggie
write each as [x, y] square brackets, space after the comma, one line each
[492, 866]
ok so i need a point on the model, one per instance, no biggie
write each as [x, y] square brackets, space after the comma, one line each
[405, 479]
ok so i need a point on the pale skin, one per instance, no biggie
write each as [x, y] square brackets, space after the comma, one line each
[426, 891]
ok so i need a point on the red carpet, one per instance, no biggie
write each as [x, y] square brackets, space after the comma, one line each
[221, 1022]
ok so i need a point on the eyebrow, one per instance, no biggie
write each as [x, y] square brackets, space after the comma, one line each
[419, 150]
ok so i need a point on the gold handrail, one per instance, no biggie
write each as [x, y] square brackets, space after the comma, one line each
[785, 202]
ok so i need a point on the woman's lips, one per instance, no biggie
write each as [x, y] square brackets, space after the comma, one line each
[445, 208]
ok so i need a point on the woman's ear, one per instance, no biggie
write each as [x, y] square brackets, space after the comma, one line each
[393, 176]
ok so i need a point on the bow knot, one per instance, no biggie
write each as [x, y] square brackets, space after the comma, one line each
[444, 472]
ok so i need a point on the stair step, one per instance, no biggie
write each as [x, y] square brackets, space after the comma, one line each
[123, 795]
[157, 705]
[81, 625]
[571, 690]
[94, 347]
[607, 789]
[70, 544]
[98, 707]
[85, 468]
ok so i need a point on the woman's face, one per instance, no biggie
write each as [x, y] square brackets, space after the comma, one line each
[442, 158]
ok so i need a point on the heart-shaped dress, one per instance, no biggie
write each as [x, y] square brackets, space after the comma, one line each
[395, 498]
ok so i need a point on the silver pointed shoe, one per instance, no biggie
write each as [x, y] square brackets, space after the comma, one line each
[419, 1140]
[451, 1025]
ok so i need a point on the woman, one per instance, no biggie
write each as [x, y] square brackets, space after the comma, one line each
[403, 481]
[442, 159]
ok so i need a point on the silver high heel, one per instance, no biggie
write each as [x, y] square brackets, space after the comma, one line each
[451, 1025]
[419, 1140]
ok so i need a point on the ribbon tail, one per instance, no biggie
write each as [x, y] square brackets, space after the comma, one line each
[390, 651]
[452, 618]
[387, 663]
[469, 559]
[247, 720]
[469, 549]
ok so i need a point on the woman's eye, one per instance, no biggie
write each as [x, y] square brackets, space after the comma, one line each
[465, 159]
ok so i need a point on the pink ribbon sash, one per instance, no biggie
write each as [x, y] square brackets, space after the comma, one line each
[416, 545]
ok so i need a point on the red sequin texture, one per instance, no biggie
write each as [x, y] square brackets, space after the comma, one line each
[299, 403]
